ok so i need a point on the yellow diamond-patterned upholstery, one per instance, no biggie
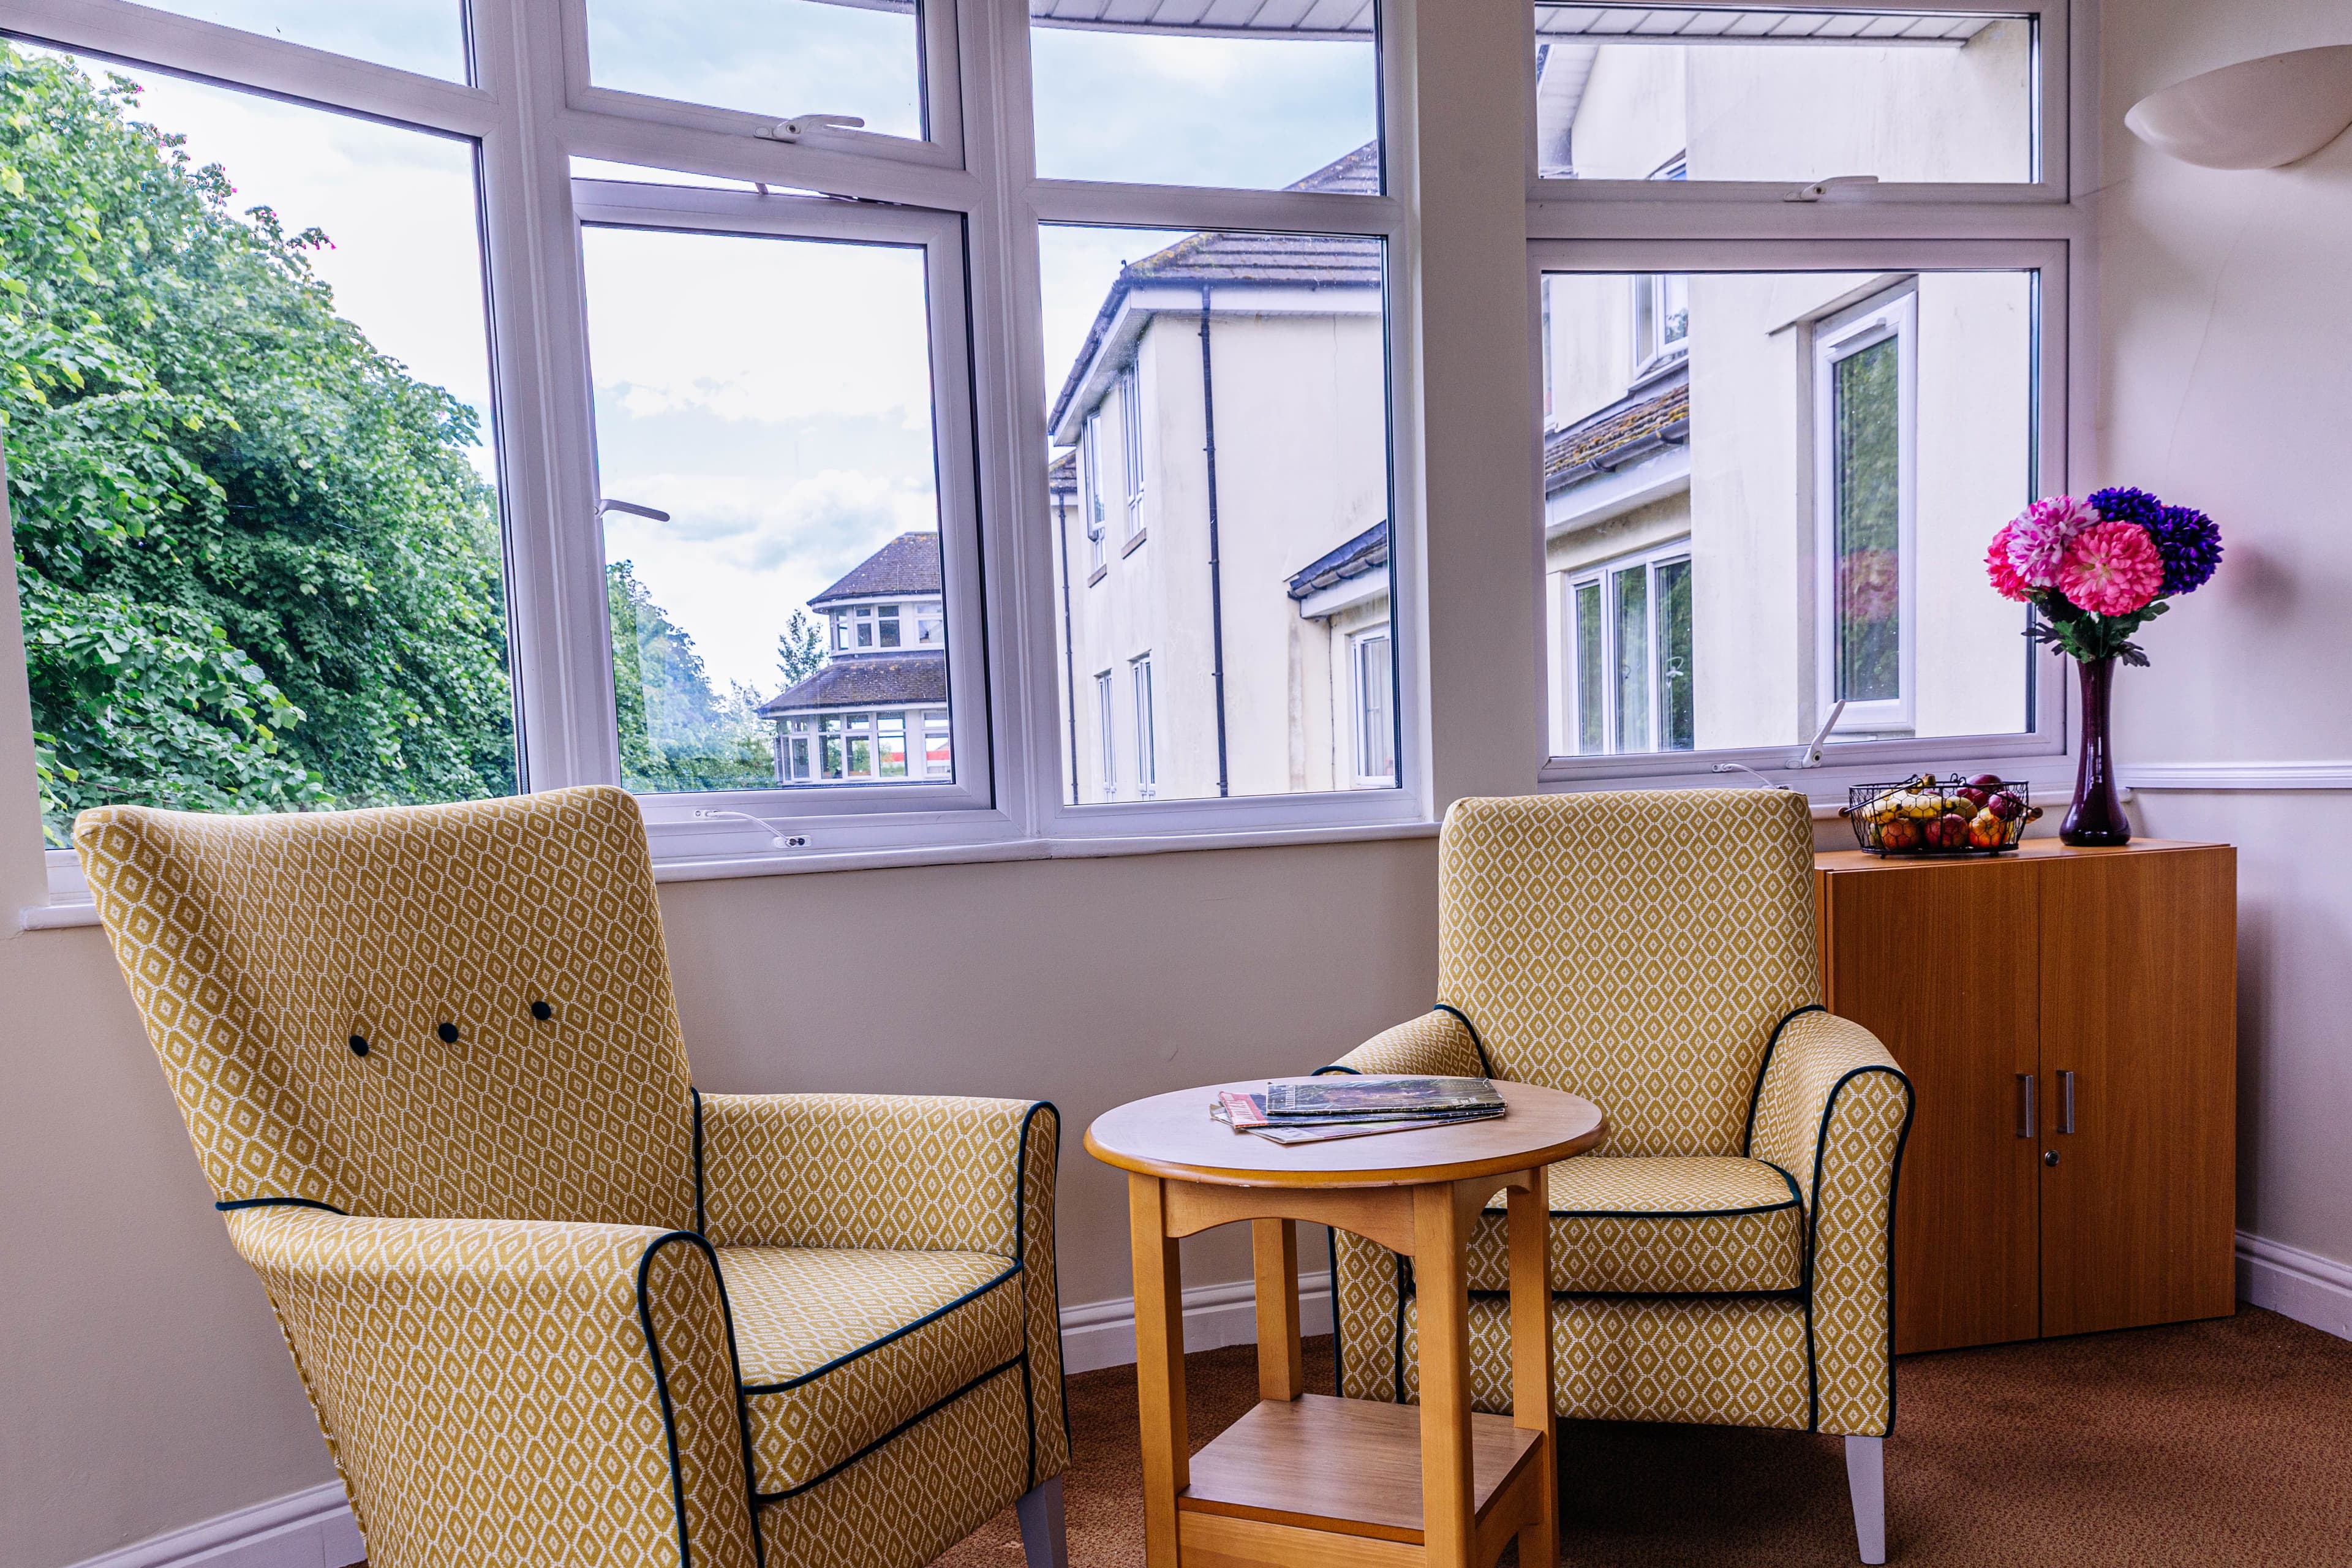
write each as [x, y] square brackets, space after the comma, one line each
[1723, 1255]
[430, 1064]
[1675, 1223]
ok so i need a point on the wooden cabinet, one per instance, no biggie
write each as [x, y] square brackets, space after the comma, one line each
[2068, 1020]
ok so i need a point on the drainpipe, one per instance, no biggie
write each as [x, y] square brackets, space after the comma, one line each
[1216, 578]
[1069, 647]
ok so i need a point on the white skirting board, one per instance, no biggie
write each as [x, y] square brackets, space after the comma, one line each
[313, 1528]
[1102, 1333]
[2296, 1284]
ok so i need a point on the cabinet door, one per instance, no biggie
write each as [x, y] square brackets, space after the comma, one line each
[1935, 960]
[2138, 1002]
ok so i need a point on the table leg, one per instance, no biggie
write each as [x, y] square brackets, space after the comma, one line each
[1531, 1409]
[1281, 1365]
[1158, 1365]
[1442, 1288]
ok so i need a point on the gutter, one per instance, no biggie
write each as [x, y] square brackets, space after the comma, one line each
[1216, 578]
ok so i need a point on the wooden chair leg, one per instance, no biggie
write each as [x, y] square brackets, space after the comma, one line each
[1045, 1539]
[1865, 1477]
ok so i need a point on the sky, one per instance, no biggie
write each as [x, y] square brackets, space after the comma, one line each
[773, 396]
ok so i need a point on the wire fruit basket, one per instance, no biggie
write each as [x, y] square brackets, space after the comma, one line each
[1925, 816]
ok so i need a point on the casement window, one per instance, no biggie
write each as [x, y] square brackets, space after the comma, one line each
[1372, 670]
[1807, 335]
[1131, 444]
[1626, 653]
[1147, 761]
[1090, 489]
[1106, 733]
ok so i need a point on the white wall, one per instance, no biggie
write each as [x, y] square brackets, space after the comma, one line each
[2226, 313]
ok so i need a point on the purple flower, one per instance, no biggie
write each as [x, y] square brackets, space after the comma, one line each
[2121, 504]
[2190, 545]
[2039, 535]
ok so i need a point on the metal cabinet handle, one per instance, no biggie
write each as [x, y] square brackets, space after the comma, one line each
[2025, 1105]
[2066, 1102]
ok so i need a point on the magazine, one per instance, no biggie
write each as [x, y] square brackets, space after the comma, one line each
[1366, 1095]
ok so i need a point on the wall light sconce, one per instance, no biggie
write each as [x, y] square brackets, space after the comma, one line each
[2256, 114]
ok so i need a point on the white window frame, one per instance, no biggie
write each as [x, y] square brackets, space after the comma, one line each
[1565, 706]
[1359, 654]
[1131, 443]
[1106, 732]
[1891, 316]
[1090, 490]
[1147, 731]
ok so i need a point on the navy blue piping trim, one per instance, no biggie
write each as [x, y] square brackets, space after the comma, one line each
[1487, 1067]
[1814, 1228]
[661, 1379]
[1755, 1095]
[1338, 1384]
[1794, 1195]
[701, 1216]
[802, 1379]
[277, 1203]
[1335, 1067]
[910, 1422]
[1678, 1214]
[1404, 1286]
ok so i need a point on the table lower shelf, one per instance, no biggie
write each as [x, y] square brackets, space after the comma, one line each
[1350, 1467]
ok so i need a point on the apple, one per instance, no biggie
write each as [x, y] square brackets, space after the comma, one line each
[1950, 831]
[1899, 835]
[1973, 795]
[1986, 782]
[1987, 831]
[2005, 806]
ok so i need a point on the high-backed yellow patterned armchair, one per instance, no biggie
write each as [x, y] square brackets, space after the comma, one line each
[551, 1305]
[1723, 1255]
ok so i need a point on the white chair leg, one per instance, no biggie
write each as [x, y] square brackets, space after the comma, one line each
[1045, 1540]
[1865, 1477]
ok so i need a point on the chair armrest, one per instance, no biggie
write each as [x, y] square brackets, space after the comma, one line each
[1438, 1043]
[907, 1171]
[1832, 1110]
[512, 1390]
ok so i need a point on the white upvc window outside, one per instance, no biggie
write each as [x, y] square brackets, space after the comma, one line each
[1090, 489]
[1131, 444]
[1866, 467]
[1106, 733]
[930, 625]
[1147, 758]
[1371, 670]
[1772, 285]
[1625, 654]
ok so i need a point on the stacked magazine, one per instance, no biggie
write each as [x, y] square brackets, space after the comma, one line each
[1313, 1109]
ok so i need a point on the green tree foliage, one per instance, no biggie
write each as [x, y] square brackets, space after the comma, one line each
[800, 648]
[677, 731]
[257, 570]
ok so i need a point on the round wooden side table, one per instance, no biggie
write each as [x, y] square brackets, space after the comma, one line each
[1310, 1480]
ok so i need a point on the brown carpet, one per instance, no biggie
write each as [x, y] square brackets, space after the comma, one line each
[2219, 1443]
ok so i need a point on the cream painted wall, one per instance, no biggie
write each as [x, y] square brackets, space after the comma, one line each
[145, 1385]
[2227, 381]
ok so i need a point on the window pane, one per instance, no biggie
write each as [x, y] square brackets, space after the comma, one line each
[1591, 668]
[1264, 449]
[1674, 588]
[1376, 712]
[1631, 590]
[1622, 92]
[1255, 102]
[1810, 488]
[784, 57]
[1865, 474]
[258, 555]
[890, 746]
[773, 397]
[427, 36]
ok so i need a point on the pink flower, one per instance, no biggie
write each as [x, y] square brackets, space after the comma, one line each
[2005, 580]
[2112, 569]
[2039, 536]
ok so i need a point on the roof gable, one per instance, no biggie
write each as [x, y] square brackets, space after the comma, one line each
[909, 564]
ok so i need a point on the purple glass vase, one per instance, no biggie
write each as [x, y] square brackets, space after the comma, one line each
[2097, 817]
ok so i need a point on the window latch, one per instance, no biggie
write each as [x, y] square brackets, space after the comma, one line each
[1810, 757]
[1819, 188]
[800, 125]
[632, 508]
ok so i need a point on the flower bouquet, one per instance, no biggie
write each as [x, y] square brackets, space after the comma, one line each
[2095, 571]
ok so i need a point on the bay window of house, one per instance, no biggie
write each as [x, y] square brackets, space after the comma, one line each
[1803, 282]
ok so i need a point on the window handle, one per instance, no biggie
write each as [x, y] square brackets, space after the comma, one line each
[2025, 1105]
[2066, 1102]
[632, 508]
[1819, 188]
[800, 125]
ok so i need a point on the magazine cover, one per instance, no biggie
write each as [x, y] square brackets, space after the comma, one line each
[1365, 1095]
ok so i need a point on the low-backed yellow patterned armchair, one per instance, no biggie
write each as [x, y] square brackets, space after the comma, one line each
[1723, 1255]
[553, 1306]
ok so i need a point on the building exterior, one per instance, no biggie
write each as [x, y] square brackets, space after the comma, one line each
[878, 711]
[1221, 514]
